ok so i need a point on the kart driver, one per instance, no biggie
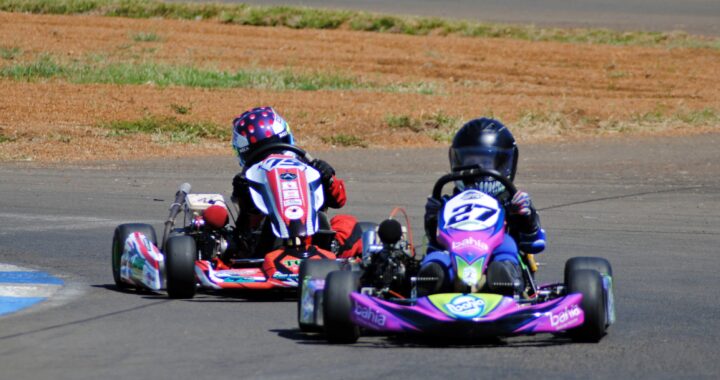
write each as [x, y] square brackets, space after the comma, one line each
[489, 144]
[261, 127]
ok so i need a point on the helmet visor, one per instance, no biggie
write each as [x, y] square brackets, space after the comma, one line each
[500, 160]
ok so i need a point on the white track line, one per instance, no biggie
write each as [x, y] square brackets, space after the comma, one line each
[37, 223]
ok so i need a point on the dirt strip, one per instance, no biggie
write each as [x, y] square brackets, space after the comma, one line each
[548, 90]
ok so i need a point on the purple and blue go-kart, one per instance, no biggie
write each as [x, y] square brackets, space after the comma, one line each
[471, 226]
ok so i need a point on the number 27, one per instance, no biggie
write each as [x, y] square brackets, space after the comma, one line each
[466, 211]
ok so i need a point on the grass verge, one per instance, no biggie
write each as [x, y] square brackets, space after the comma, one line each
[47, 67]
[312, 18]
[4, 139]
[345, 140]
[145, 37]
[9, 53]
[167, 129]
[549, 124]
[438, 125]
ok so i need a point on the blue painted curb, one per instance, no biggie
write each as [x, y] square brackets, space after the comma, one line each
[23, 277]
[12, 304]
[21, 288]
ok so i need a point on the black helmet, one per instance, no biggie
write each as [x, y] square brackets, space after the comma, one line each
[485, 142]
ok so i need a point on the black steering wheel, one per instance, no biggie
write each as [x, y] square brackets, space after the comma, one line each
[260, 153]
[469, 173]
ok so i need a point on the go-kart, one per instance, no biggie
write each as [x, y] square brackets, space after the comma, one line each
[481, 302]
[283, 187]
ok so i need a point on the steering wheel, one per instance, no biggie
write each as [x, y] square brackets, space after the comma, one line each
[470, 173]
[260, 153]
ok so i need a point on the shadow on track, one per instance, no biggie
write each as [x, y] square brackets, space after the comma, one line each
[369, 340]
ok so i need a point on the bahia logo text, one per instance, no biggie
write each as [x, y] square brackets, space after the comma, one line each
[466, 306]
[370, 315]
[569, 314]
[470, 242]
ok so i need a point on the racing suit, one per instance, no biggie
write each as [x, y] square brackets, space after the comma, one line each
[524, 229]
[523, 232]
[251, 219]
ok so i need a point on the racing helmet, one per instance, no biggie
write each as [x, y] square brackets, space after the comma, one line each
[256, 128]
[488, 143]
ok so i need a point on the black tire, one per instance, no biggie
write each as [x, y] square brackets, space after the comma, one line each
[504, 277]
[595, 263]
[337, 307]
[180, 257]
[121, 234]
[313, 269]
[425, 287]
[589, 283]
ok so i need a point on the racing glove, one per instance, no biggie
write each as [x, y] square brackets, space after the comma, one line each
[521, 204]
[239, 184]
[533, 242]
[432, 209]
[326, 171]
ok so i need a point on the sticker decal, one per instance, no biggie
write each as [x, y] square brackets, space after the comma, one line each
[470, 272]
[470, 242]
[466, 306]
[471, 211]
[283, 162]
[291, 196]
[566, 316]
[468, 195]
[287, 177]
[470, 275]
[292, 202]
[289, 185]
[292, 264]
[372, 316]
[294, 213]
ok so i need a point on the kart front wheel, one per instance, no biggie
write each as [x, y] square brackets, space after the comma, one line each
[311, 270]
[596, 263]
[603, 266]
[589, 283]
[118, 245]
[180, 256]
[431, 279]
[337, 307]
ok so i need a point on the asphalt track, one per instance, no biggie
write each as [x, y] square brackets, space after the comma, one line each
[693, 16]
[649, 205]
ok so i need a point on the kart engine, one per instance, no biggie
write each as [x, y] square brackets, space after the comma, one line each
[211, 237]
[211, 244]
[388, 267]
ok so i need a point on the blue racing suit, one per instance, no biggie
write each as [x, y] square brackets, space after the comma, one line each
[523, 233]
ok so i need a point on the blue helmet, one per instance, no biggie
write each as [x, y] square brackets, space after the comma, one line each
[256, 128]
[488, 143]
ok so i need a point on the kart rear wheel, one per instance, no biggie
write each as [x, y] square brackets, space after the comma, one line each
[118, 245]
[312, 270]
[337, 307]
[589, 283]
[180, 256]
